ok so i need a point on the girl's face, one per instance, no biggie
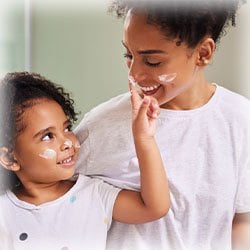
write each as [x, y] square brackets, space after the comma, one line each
[47, 148]
[158, 66]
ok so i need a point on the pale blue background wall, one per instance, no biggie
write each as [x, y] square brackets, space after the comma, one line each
[75, 43]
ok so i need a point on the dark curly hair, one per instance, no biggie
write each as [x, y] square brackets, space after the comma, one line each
[22, 90]
[188, 21]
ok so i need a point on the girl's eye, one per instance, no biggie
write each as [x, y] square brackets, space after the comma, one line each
[68, 128]
[47, 137]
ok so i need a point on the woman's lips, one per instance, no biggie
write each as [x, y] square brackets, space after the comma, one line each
[150, 90]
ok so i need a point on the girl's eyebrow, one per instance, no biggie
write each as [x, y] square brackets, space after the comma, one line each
[43, 131]
[67, 122]
[147, 52]
[46, 130]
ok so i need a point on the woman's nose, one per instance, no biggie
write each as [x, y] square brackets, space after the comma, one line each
[136, 73]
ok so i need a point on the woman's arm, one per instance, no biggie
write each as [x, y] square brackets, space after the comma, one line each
[153, 201]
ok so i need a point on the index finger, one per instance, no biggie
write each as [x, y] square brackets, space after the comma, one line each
[136, 100]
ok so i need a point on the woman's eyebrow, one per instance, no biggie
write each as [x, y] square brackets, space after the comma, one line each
[151, 51]
[148, 51]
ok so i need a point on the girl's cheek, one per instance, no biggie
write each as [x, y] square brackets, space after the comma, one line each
[77, 144]
[48, 154]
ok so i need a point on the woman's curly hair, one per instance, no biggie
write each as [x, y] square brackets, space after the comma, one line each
[189, 21]
[22, 90]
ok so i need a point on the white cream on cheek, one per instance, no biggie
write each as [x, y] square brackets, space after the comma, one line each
[48, 154]
[51, 154]
[166, 79]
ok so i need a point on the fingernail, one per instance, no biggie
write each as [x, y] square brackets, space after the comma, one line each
[154, 115]
[146, 99]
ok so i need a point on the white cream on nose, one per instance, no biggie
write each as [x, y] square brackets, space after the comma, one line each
[68, 143]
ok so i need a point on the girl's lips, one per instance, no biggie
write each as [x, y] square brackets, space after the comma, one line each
[67, 163]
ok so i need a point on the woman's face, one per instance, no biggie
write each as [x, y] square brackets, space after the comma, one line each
[158, 65]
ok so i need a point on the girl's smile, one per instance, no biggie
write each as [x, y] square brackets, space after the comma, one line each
[46, 149]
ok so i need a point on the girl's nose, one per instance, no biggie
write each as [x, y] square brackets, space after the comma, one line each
[67, 144]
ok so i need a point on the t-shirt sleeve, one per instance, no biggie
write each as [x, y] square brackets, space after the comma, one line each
[5, 239]
[108, 194]
[243, 193]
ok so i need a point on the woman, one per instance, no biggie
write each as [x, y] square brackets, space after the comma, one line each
[203, 128]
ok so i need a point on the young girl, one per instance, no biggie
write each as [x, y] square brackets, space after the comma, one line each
[203, 130]
[48, 209]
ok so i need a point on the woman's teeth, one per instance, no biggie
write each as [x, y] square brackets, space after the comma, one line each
[150, 88]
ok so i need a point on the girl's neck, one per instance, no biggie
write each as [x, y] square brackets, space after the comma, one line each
[42, 193]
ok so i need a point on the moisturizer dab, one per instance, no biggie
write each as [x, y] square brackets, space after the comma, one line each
[165, 79]
[48, 154]
[68, 143]
[132, 80]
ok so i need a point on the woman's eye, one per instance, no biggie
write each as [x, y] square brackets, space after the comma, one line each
[128, 56]
[151, 64]
[47, 137]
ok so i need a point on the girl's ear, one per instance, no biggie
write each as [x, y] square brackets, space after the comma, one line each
[7, 160]
[205, 51]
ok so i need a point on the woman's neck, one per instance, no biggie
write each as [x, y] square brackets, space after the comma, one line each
[196, 96]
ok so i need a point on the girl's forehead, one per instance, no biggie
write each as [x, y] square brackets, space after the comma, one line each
[43, 113]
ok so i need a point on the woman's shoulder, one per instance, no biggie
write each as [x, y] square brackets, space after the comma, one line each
[115, 108]
[235, 101]
[116, 104]
[230, 94]
[234, 107]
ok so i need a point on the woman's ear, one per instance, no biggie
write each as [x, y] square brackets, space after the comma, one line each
[205, 51]
[7, 160]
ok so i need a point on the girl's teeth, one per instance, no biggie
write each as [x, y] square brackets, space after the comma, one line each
[67, 160]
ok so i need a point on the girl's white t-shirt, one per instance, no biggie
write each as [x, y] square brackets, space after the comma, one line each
[78, 220]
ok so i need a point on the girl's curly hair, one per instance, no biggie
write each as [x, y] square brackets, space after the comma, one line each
[189, 21]
[19, 91]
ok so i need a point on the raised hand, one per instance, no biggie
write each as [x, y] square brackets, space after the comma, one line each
[144, 114]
